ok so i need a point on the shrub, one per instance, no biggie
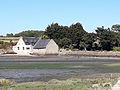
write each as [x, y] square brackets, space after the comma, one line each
[116, 48]
[5, 82]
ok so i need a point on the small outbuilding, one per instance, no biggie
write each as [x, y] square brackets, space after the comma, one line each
[47, 46]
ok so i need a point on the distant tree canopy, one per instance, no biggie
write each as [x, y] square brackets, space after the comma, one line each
[30, 33]
[75, 37]
[10, 35]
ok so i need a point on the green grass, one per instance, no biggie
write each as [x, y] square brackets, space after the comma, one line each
[39, 66]
[62, 65]
[70, 84]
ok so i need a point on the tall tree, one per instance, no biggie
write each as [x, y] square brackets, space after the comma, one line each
[107, 38]
[74, 33]
[77, 32]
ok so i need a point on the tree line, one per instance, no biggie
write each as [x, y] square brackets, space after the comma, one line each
[75, 37]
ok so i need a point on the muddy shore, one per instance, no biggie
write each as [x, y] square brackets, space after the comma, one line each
[86, 67]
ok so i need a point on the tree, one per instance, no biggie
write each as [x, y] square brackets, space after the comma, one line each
[89, 39]
[74, 33]
[116, 27]
[77, 32]
[65, 43]
[30, 33]
[117, 39]
[10, 35]
[97, 44]
[82, 46]
[107, 38]
[53, 31]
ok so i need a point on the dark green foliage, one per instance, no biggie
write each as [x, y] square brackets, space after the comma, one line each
[108, 38]
[116, 48]
[30, 33]
[65, 43]
[77, 32]
[73, 34]
[116, 27]
[10, 35]
[117, 39]
[89, 39]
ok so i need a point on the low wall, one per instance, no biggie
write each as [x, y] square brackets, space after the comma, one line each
[92, 53]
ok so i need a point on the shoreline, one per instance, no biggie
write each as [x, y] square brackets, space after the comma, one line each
[80, 54]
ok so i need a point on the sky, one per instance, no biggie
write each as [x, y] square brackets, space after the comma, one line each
[21, 15]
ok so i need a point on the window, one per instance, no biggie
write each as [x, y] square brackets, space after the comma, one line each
[23, 48]
[18, 48]
[27, 48]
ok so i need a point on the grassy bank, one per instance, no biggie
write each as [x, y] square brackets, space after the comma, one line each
[70, 84]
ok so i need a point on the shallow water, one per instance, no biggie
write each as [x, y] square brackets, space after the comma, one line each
[92, 66]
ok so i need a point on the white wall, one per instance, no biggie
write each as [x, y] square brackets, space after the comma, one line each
[39, 51]
[21, 48]
[52, 47]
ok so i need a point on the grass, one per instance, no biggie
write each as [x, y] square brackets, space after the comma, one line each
[82, 64]
[17, 65]
[69, 84]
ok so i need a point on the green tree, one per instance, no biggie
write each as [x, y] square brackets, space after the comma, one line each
[10, 35]
[116, 27]
[74, 33]
[53, 31]
[117, 39]
[107, 38]
[65, 43]
[30, 33]
[89, 39]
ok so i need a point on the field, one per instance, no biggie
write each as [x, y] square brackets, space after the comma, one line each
[59, 72]
[8, 39]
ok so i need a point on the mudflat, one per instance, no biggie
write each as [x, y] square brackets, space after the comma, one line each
[44, 68]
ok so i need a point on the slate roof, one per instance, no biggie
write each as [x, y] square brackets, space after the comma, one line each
[30, 40]
[41, 44]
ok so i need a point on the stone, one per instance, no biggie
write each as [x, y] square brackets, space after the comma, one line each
[116, 86]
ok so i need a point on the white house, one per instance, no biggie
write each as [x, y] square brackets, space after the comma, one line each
[27, 45]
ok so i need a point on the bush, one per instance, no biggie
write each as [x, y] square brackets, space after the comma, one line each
[5, 82]
[116, 48]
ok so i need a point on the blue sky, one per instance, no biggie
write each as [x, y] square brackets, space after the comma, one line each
[21, 15]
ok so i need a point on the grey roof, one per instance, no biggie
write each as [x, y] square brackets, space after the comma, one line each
[30, 40]
[41, 44]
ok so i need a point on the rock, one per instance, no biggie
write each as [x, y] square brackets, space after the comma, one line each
[107, 84]
[116, 86]
[95, 85]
